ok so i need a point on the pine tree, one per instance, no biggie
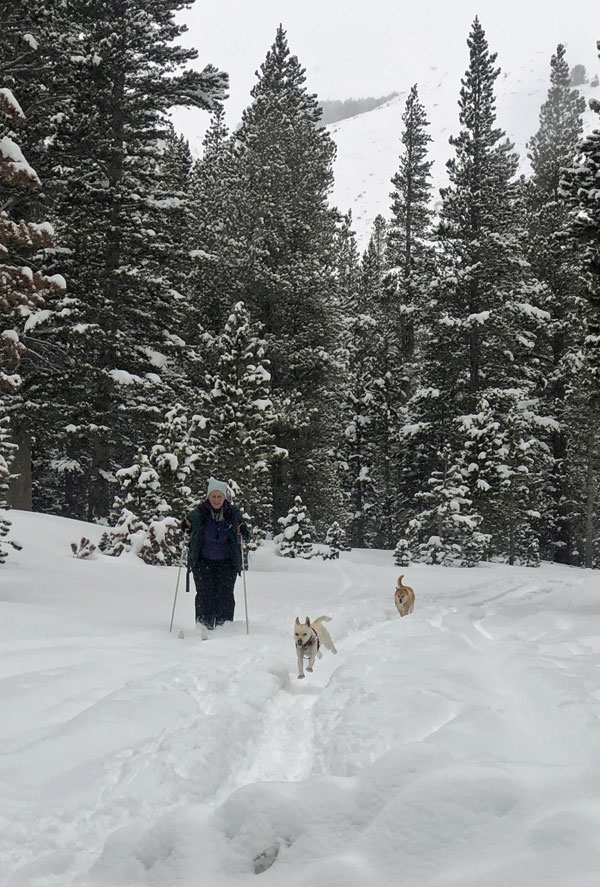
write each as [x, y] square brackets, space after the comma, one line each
[581, 186]
[286, 231]
[446, 528]
[554, 263]
[410, 262]
[383, 388]
[402, 553]
[117, 224]
[409, 232]
[506, 463]
[337, 541]
[483, 290]
[177, 456]
[239, 410]
[297, 533]
[215, 245]
[23, 290]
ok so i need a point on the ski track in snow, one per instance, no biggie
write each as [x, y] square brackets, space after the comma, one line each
[286, 730]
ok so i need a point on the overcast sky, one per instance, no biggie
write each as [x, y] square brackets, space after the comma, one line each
[351, 48]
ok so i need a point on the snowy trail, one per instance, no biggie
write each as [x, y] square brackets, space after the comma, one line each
[133, 758]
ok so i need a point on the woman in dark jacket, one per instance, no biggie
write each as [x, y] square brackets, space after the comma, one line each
[215, 556]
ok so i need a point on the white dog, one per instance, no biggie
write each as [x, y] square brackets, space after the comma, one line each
[308, 637]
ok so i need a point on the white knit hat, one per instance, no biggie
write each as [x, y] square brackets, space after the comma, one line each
[219, 485]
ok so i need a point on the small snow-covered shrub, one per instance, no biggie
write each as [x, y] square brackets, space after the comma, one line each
[83, 550]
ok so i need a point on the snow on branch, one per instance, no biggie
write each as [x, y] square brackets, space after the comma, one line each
[9, 105]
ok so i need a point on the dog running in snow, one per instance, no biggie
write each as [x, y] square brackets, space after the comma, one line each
[308, 638]
[404, 597]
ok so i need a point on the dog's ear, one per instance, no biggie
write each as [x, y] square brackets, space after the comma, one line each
[297, 621]
[307, 621]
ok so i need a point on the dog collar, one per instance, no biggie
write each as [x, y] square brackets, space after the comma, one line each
[314, 638]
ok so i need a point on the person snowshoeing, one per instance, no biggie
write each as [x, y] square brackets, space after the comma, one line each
[215, 554]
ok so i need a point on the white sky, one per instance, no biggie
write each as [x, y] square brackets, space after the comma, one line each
[365, 48]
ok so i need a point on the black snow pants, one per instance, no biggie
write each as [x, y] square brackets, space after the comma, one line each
[214, 581]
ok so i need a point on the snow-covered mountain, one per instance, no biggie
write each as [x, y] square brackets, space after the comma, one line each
[369, 144]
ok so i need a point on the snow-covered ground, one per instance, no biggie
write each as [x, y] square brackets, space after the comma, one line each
[458, 746]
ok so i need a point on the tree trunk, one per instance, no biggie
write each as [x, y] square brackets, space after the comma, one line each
[20, 488]
[590, 486]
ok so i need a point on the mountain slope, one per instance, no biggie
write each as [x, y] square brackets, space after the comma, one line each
[369, 145]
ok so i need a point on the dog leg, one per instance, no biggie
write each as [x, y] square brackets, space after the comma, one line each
[300, 664]
[311, 660]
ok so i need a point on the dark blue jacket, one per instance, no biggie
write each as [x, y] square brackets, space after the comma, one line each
[232, 518]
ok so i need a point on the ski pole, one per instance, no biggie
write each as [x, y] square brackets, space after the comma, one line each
[244, 578]
[177, 584]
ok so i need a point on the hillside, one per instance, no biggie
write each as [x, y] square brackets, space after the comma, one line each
[368, 146]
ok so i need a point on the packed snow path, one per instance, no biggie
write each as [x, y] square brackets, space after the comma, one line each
[456, 746]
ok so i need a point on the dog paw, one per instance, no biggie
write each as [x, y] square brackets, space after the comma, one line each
[300, 676]
[308, 668]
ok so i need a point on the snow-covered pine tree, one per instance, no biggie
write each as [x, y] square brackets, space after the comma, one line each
[141, 517]
[402, 553]
[115, 220]
[410, 263]
[24, 291]
[357, 450]
[214, 245]
[337, 540]
[37, 41]
[554, 261]
[177, 217]
[140, 491]
[286, 230]
[297, 532]
[409, 249]
[480, 334]
[348, 272]
[128, 534]
[445, 530]
[159, 489]
[581, 186]
[349, 444]
[506, 461]
[177, 456]
[383, 392]
[240, 415]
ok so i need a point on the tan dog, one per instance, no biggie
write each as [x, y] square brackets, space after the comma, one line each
[404, 597]
[308, 638]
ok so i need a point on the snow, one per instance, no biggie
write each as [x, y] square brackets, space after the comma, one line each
[456, 747]
[368, 145]
[36, 318]
[11, 102]
[57, 281]
[11, 152]
[122, 377]
[156, 358]
[31, 41]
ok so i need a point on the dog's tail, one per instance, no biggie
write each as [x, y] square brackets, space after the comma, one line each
[322, 619]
